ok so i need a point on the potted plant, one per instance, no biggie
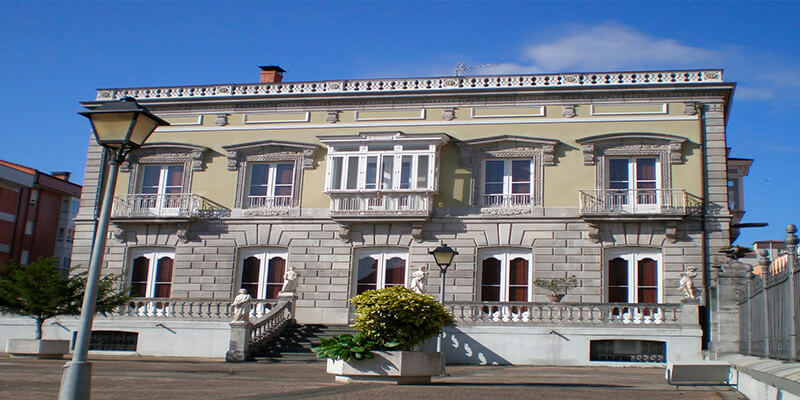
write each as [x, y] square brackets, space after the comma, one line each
[557, 287]
[391, 323]
[41, 291]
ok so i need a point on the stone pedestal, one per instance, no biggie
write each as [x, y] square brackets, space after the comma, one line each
[240, 339]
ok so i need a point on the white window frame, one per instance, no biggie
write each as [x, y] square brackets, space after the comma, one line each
[276, 201]
[153, 254]
[633, 195]
[633, 256]
[396, 154]
[165, 203]
[263, 254]
[506, 196]
[382, 255]
[505, 256]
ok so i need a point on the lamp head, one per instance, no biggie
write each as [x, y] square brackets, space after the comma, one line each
[123, 124]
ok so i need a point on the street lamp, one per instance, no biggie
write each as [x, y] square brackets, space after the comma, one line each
[443, 255]
[120, 127]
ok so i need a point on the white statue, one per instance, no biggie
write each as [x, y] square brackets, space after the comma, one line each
[241, 307]
[687, 283]
[290, 280]
[418, 279]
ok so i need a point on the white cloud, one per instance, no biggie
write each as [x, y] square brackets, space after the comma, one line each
[607, 47]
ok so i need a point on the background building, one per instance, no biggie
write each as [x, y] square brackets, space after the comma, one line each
[36, 214]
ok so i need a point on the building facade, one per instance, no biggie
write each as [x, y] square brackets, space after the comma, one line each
[36, 214]
[619, 179]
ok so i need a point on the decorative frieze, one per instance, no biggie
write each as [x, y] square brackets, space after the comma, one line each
[690, 108]
[332, 117]
[416, 84]
[221, 120]
[449, 114]
[568, 111]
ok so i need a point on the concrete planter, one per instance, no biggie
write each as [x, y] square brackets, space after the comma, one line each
[37, 348]
[396, 367]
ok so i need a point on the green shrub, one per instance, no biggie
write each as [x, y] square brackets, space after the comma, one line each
[399, 317]
[347, 347]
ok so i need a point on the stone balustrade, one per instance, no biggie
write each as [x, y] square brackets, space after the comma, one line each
[494, 313]
[418, 84]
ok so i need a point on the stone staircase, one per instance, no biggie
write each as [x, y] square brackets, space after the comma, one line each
[295, 343]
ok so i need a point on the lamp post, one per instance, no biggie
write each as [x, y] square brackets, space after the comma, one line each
[120, 127]
[443, 255]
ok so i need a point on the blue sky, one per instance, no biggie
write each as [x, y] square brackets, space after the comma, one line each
[54, 54]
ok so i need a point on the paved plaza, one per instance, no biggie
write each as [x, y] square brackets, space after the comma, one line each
[28, 379]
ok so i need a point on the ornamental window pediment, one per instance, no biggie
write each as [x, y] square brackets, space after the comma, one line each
[507, 171]
[633, 173]
[168, 167]
[269, 173]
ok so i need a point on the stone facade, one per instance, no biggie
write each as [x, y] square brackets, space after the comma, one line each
[680, 124]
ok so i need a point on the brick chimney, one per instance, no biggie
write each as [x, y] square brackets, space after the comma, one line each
[271, 74]
[63, 175]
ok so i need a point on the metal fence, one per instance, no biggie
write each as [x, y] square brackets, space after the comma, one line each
[769, 305]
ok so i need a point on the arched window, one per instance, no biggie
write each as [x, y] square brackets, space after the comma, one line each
[262, 272]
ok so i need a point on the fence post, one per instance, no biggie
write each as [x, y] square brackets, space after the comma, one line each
[764, 261]
[791, 266]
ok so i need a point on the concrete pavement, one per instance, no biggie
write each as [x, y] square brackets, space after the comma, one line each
[28, 379]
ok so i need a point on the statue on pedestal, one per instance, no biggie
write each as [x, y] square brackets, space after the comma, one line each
[290, 281]
[241, 307]
[687, 283]
[418, 279]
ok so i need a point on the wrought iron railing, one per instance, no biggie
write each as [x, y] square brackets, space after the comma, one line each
[269, 202]
[381, 204]
[491, 313]
[525, 200]
[632, 201]
[164, 205]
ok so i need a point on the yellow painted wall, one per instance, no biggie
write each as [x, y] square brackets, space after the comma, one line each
[561, 182]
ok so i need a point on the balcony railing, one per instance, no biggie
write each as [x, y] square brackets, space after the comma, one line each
[205, 309]
[269, 202]
[164, 205]
[632, 201]
[381, 204]
[490, 313]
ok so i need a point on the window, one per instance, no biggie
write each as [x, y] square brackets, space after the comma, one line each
[262, 272]
[378, 168]
[507, 172]
[507, 182]
[505, 275]
[151, 272]
[271, 185]
[633, 182]
[380, 268]
[634, 276]
[269, 175]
